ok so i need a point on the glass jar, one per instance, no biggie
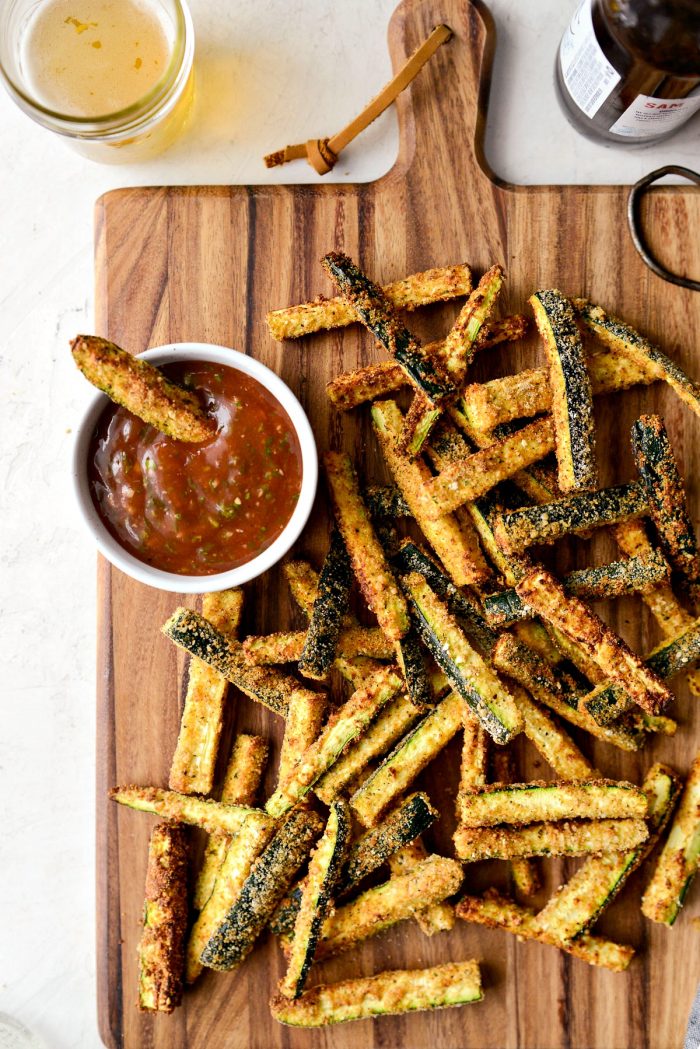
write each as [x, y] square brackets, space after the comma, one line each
[141, 129]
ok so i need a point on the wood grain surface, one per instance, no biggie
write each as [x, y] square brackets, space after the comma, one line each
[206, 264]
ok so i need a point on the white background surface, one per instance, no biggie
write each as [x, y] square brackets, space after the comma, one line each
[268, 73]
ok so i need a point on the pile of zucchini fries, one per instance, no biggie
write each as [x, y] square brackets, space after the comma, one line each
[474, 636]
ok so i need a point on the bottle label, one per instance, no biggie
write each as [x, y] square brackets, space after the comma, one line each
[648, 117]
[588, 75]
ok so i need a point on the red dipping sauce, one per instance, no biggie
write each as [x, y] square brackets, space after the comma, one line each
[198, 509]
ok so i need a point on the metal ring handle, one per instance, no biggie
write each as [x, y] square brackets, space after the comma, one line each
[634, 219]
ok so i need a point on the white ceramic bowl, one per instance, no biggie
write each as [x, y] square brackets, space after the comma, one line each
[200, 584]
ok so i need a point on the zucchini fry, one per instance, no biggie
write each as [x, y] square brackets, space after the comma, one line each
[331, 604]
[212, 816]
[343, 726]
[438, 917]
[162, 946]
[457, 548]
[194, 762]
[623, 339]
[572, 397]
[463, 482]
[196, 635]
[305, 716]
[538, 802]
[266, 884]
[386, 501]
[632, 575]
[288, 647]
[377, 583]
[241, 782]
[460, 343]
[410, 756]
[524, 872]
[582, 626]
[375, 311]
[679, 859]
[469, 675]
[554, 744]
[659, 474]
[386, 994]
[316, 898]
[578, 904]
[498, 912]
[419, 289]
[575, 514]
[430, 881]
[566, 838]
[474, 761]
[142, 389]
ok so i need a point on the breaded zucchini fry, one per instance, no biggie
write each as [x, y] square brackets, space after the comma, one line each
[577, 837]
[331, 604]
[345, 724]
[623, 339]
[582, 626]
[386, 994]
[194, 762]
[519, 529]
[438, 917]
[668, 502]
[524, 872]
[571, 393]
[460, 343]
[498, 912]
[538, 802]
[142, 389]
[420, 289]
[305, 716]
[162, 946]
[287, 647]
[678, 863]
[212, 816]
[554, 744]
[457, 548]
[578, 904]
[377, 583]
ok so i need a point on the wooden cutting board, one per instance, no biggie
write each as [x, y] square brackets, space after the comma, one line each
[206, 264]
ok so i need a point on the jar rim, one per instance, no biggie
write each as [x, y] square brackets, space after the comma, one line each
[120, 120]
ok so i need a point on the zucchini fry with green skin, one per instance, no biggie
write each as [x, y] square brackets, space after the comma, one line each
[457, 548]
[377, 583]
[377, 909]
[498, 912]
[554, 744]
[325, 868]
[524, 872]
[486, 515]
[343, 726]
[623, 339]
[288, 647]
[629, 576]
[419, 289]
[572, 397]
[386, 501]
[461, 339]
[438, 917]
[142, 389]
[194, 762]
[470, 676]
[410, 756]
[483, 470]
[244, 849]
[574, 514]
[608, 700]
[409, 656]
[162, 945]
[538, 802]
[266, 884]
[331, 604]
[679, 860]
[212, 816]
[664, 606]
[305, 716]
[659, 474]
[379, 380]
[241, 782]
[196, 635]
[390, 993]
[581, 625]
[554, 838]
[578, 904]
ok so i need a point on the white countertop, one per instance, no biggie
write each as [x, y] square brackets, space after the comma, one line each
[265, 76]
